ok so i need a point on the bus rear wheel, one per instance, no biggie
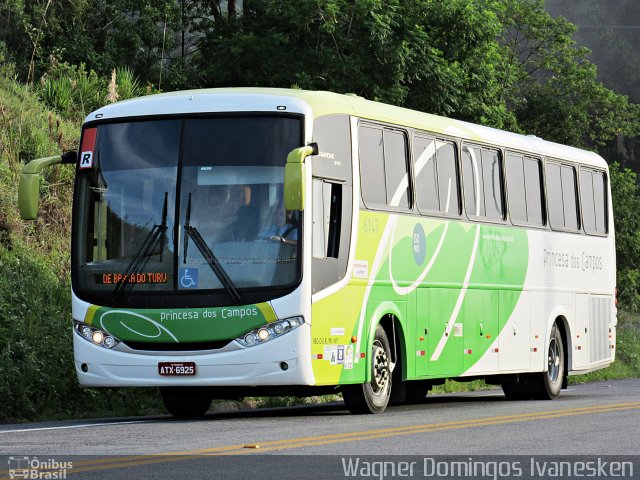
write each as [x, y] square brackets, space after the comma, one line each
[543, 385]
[373, 396]
[186, 402]
[547, 385]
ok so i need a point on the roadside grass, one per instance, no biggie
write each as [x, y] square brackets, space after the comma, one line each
[37, 376]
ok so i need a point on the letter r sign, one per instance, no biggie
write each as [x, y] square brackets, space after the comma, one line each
[86, 160]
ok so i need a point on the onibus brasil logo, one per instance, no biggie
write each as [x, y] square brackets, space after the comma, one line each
[34, 468]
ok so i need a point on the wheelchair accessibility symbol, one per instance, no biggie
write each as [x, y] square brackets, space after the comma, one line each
[188, 277]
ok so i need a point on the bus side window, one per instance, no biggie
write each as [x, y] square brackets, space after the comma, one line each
[524, 184]
[482, 172]
[492, 177]
[437, 184]
[600, 197]
[569, 197]
[383, 167]
[562, 191]
[396, 171]
[593, 201]
[372, 166]
[533, 189]
[586, 201]
[516, 188]
[473, 185]
[554, 191]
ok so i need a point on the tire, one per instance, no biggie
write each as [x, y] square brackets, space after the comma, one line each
[373, 396]
[542, 385]
[186, 402]
[416, 392]
[516, 390]
[547, 385]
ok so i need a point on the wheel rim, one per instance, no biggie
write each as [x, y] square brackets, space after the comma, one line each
[554, 360]
[380, 377]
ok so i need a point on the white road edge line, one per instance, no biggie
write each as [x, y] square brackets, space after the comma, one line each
[21, 430]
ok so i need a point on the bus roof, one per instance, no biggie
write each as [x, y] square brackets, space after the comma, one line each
[320, 103]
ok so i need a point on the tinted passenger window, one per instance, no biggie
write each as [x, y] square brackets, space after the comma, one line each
[395, 161]
[473, 186]
[448, 182]
[436, 176]
[482, 172]
[492, 174]
[569, 195]
[516, 188]
[383, 167]
[593, 201]
[554, 193]
[424, 153]
[524, 187]
[586, 201]
[372, 166]
[600, 198]
[533, 188]
[562, 192]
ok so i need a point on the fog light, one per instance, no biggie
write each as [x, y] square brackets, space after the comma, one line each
[97, 337]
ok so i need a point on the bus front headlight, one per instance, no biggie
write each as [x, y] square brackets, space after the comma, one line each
[269, 331]
[95, 335]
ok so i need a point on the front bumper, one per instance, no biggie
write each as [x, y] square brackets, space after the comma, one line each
[254, 366]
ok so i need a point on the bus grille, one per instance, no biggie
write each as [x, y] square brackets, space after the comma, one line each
[599, 322]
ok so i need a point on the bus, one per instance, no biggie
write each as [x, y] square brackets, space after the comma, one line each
[249, 241]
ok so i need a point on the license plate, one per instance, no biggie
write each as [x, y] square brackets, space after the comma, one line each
[176, 369]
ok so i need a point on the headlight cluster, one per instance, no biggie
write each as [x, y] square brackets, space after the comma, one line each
[269, 331]
[95, 335]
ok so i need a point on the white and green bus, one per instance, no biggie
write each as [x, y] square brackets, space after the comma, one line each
[234, 242]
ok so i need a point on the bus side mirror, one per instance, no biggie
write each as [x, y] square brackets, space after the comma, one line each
[29, 186]
[294, 177]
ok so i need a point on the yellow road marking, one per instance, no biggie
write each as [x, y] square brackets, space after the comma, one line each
[318, 440]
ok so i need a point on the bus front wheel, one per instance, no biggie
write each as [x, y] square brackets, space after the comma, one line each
[373, 396]
[186, 402]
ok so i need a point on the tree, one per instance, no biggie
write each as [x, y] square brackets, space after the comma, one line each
[557, 95]
[626, 201]
[102, 35]
[431, 55]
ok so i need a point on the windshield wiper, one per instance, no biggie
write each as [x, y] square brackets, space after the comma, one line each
[157, 234]
[210, 258]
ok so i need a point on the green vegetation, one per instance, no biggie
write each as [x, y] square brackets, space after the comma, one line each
[627, 362]
[37, 377]
[503, 63]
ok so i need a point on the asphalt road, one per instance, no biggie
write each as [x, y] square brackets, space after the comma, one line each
[594, 420]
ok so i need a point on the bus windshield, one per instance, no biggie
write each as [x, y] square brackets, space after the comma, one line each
[186, 204]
